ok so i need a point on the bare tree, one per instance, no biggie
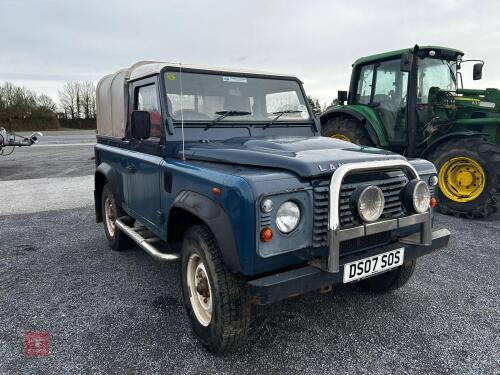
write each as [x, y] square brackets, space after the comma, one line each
[46, 102]
[88, 99]
[68, 100]
[77, 100]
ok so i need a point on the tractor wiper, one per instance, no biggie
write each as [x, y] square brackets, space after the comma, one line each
[279, 114]
[224, 114]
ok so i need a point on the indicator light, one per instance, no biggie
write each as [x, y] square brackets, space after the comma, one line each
[266, 234]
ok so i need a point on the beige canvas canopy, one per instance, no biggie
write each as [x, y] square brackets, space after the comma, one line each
[112, 94]
[112, 99]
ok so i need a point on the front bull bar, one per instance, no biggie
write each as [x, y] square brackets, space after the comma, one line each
[337, 235]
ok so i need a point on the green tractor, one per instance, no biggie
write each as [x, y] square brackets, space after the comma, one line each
[412, 101]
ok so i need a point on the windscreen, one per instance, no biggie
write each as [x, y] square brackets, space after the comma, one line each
[224, 98]
[435, 73]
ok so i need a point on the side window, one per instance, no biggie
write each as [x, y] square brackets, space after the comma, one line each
[364, 84]
[385, 84]
[147, 100]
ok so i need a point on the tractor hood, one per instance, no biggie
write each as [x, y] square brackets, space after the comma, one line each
[305, 156]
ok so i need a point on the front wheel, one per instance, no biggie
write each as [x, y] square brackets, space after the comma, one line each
[391, 280]
[469, 177]
[216, 300]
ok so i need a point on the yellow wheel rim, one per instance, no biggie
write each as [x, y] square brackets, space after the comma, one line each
[461, 179]
[342, 137]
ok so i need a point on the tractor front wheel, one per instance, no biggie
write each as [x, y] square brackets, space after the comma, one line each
[469, 177]
[346, 129]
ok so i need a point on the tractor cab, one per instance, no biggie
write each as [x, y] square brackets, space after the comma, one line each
[382, 82]
[412, 101]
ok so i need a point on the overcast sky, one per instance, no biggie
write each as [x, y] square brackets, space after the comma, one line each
[45, 43]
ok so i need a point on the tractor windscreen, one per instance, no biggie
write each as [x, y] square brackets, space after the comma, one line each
[434, 72]
[219, 98]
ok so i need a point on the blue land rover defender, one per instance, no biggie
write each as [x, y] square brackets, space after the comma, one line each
[226, 171]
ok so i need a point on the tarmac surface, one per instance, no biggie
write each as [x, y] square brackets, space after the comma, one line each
[110, 312]
[57, 154]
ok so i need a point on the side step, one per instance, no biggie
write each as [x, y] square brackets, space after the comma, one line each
[137, 234]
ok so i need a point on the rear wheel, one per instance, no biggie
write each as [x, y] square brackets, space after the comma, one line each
[346, 129]
[216, 300]
[469, 179]
[389, 281]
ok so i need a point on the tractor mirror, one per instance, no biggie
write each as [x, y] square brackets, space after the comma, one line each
[406, 61]
[141, 124]
[477, 71]
[342, 96]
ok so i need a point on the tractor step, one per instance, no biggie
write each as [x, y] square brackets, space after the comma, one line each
[145, 240]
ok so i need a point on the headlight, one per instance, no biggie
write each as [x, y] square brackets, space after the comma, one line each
[287, 217]
[370, 202]
[421, 196]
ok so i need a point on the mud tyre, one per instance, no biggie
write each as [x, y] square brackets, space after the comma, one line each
[111, 211]
[390, 281]
[216, 300]
[346, 129]
[487, 156]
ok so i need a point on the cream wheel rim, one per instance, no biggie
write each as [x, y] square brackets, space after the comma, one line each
[200, 290]
[109, 210]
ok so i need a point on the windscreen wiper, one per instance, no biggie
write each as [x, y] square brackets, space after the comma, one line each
[224, 114]
[279, 114]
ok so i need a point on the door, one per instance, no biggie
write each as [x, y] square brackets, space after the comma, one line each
[143, 166]
[383, 86]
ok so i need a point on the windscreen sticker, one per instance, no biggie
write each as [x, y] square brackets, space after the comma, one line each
[235, 79]
[171, 76]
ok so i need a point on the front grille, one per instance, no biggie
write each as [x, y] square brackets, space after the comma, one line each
[362, 243]
[265, 219]
[391, 184]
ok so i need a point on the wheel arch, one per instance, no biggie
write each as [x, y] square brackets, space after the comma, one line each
[190, 208]
[355, 115]
[429, 149]
[104, 174]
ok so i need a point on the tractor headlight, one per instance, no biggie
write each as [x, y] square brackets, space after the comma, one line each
[370, 202]
[418, 196]
[287, 217]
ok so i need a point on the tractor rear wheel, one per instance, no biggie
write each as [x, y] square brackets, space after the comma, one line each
[347, 129]
[469, 177]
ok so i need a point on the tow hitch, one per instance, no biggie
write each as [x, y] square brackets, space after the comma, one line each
[14, 140]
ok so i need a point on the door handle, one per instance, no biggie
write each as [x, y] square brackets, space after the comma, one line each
[131, 168]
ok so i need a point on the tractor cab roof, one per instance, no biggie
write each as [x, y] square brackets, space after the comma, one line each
[388, 55]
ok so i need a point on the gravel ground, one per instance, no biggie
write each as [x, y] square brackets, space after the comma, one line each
[111, 312]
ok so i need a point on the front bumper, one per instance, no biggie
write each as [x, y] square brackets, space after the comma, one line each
[287, 284]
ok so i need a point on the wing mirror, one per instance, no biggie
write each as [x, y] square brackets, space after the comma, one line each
[141, 124]
[477, 71]
[342, 96]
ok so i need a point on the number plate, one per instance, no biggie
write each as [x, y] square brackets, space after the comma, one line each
[370, 266]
